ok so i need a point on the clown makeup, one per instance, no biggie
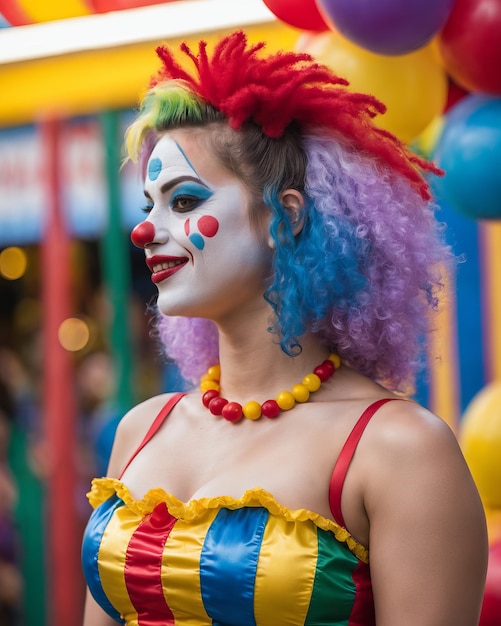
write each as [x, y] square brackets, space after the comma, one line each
[203, 253]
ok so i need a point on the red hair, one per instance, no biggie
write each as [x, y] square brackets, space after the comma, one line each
[279, 89]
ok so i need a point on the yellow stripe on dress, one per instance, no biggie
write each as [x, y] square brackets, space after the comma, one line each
[181, 570]
[286, 569]
[116, 539]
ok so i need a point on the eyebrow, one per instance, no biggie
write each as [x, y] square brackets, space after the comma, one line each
[175, 181]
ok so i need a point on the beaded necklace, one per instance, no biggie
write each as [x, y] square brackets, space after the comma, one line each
[284, 401]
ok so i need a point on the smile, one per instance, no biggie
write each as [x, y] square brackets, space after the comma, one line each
[163, 267]
[166, 266]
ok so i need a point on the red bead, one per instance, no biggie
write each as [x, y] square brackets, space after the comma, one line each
[322, 372]
[270, 408]
[208, 396]
[232, 411]
[216, 405]
[329, 365]
[142, 234]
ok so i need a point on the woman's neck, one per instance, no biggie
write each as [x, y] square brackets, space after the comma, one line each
[253, 365]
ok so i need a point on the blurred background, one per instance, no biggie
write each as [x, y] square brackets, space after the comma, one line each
[75, 345]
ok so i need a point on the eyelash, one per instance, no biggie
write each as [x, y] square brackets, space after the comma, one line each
[193, 200]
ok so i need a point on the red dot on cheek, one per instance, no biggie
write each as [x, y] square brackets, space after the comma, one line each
[142, 234]
[208, 225]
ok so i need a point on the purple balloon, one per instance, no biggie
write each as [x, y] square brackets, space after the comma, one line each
[390, 27]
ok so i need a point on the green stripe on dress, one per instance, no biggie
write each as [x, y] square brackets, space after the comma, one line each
[333, 589]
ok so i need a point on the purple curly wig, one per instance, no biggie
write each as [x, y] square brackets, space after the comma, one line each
[365, 272]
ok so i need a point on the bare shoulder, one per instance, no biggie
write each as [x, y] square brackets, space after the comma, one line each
[131, 430]
[407, 445]
[404, 427]
[421, 501]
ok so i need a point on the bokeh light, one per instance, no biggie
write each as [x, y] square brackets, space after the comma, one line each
[74, 334]
[13, 263]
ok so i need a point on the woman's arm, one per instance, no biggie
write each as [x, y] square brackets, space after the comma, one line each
[428, 542]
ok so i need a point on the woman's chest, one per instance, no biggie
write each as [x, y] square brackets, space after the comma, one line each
[257, 563]
[295, 467]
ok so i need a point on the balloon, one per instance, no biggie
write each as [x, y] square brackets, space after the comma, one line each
[469, 150]
[491, 605]
[412, 86]
[480, 439]
[387, 26]
[302, 14]
[454, 94]
[426, 142]
[470, 45]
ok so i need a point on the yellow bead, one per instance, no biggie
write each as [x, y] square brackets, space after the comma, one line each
[285, 400]
[214, 372]
[312, 382]
[300, 393]
[205, 385]
[335, 359]
[252, 410]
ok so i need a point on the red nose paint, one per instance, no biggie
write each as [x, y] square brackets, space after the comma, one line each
[143, 234]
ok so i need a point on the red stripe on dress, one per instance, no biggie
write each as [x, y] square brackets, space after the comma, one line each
[143, 566]
[362, 613]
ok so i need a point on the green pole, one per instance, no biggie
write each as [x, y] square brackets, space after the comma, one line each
[115, 260]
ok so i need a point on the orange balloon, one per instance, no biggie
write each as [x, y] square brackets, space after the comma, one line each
[412, 86]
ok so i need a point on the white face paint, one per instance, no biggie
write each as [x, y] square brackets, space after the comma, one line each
[206, 258]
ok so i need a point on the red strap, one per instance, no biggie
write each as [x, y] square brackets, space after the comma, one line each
[345, 457]
[157, 422]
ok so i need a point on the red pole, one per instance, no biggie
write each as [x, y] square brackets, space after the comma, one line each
[59, 415]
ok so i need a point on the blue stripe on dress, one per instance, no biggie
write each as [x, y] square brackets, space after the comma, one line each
[90, 553]
[228, 565]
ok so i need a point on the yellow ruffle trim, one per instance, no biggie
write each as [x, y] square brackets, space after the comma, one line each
[103, 488]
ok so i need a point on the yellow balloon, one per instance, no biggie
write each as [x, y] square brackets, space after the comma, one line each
[412, 86]
[480, 439]
[426, 142]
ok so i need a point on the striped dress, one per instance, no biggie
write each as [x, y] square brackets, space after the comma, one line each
[223, 561]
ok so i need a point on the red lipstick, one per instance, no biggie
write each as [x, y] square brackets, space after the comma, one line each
[163, 267]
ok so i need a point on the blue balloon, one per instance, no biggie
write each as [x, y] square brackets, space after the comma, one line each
[469, 150]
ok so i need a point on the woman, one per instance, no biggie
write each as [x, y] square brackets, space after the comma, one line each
[294, 248]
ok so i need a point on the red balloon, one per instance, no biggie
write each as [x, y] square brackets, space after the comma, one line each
[491, 606]
[470, 45]
[302, 14]
[455, 93]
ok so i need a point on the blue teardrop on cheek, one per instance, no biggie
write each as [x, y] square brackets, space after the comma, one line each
[154, 168]
[197, 240]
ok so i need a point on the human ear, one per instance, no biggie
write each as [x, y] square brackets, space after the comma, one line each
[293, 201]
